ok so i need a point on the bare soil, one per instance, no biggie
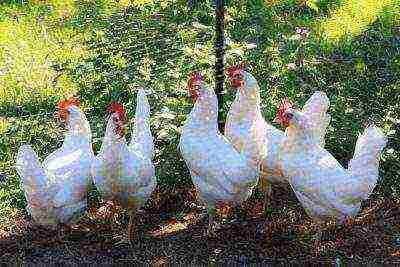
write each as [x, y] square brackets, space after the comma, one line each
[172, 230]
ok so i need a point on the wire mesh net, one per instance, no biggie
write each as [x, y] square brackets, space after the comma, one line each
[103, 50]
[100, 51]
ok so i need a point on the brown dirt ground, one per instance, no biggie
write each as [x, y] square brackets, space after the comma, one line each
[172, 231]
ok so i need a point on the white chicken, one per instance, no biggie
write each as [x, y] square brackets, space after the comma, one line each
[56, 190]
[322, 185]
[252, 136]
[125, 173]
[221, 174]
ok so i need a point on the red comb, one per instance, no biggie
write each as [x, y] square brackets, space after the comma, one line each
[64, 105]
[116, 107]
[195, 77]
[72, 101]
[235, 69]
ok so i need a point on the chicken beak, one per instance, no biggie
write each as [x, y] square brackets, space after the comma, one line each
[285, 119]
[122, 130]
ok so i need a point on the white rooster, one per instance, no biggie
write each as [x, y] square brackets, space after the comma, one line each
[322, 185]
[125, 173]
[257, 139]
[220, 173]
[56, 190]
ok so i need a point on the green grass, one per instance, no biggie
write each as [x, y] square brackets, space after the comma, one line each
[34, 42]
[102, 50]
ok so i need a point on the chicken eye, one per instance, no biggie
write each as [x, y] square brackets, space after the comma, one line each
[288, 116]
[238, 77]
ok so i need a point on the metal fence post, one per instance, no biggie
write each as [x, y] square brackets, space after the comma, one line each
[219, 55]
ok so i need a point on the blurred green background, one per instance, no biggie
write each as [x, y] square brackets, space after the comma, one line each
[102, 50]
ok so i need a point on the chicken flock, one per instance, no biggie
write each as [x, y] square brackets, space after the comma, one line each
[225, 168]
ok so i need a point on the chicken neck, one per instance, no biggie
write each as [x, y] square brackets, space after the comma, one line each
[112, 139]
[298, 139]
[203, 117]
[247, 107]
[78, 130]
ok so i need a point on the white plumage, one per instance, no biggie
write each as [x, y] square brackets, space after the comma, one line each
[219, 171]
[56, 190]
[257, 139]
[125, 173]
[322, 185]
[249, 132]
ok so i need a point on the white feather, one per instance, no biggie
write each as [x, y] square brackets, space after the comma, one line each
[219, 171]
[56, 190]
[126, 172]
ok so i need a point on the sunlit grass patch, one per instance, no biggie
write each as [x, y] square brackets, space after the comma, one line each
[37, 43]
[3, 125]
[354, 17]
[40, 39]
[271, 3]
[31, 50]
[137, 3]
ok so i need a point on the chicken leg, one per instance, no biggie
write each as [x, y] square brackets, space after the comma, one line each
[130, 234]
[211, 223]
[266, 188]
[132, 224]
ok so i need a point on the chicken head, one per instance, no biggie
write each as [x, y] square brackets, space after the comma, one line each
[118, 114]
[64, 105]
[195, 80]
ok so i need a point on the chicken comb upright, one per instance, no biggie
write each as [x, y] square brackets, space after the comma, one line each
[72, 101]
[116, 107]
[194, 79]
[236, 69]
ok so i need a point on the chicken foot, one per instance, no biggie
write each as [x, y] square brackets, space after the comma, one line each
[211, 223]
[132, 224]
[130, 234]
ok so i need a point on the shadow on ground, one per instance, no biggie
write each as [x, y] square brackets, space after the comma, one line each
[178, 235]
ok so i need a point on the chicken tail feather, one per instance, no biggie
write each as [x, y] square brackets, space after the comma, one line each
[30, 169]
[365, 162]
[315, 109]
[142, 140]
[33, 177]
